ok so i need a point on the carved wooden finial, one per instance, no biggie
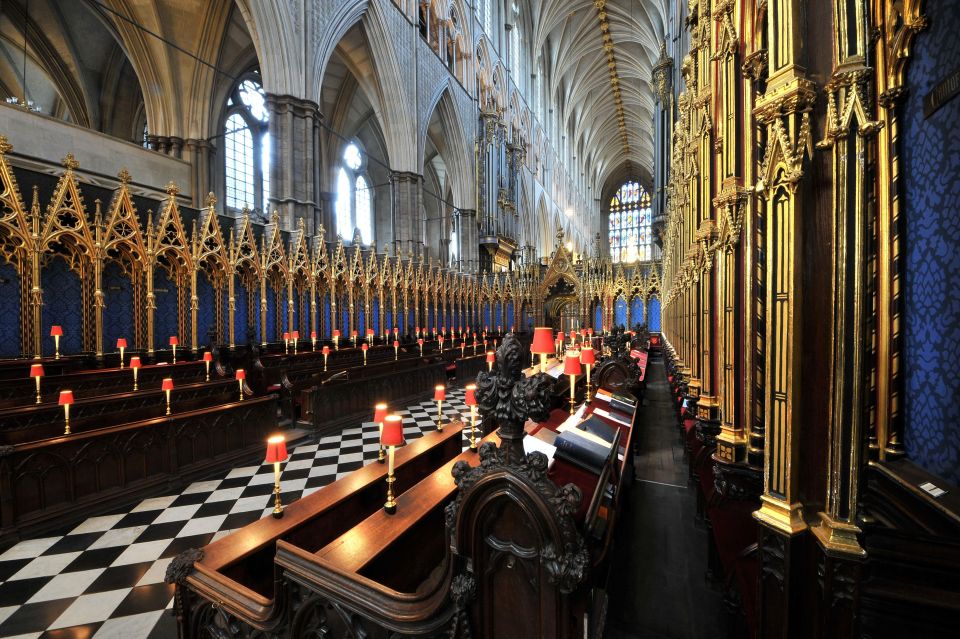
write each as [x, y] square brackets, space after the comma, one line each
[70, 162]
[211, 200]
[245, 214]
[35, 205]
[275, 218]
[301, 225]
[5, 146]
[172, 188]
[124, 176]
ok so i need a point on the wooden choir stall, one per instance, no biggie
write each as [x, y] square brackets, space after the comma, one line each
[493, 542]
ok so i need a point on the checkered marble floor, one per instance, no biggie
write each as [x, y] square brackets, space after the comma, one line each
[105, 576]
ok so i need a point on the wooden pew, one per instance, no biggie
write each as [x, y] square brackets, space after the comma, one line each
[49, 483]
[21, 391]
[41, 421]
[237, 570]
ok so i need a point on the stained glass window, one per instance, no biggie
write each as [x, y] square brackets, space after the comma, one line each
[629, 229]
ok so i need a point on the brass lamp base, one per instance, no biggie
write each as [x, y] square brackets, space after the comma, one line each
[277, 506]
[381, 456]
[390, 507]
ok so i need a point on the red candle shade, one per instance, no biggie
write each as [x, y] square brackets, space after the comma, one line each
[560, 336]
[241, 374]
[276, 450]
[336, 332]
[36, 370]
[590, 332]
[207, 356]
[354, 333]
[369, 331]
[295, 335]
[56, 331]
[364, 346]
[174, 341]
[325, 350]
[313, 335]
[395, 330]
[66, 398]
[392, 431]
[439, 393]
[167, 384]
[542, 340]
[121, 342]
[571, 365]
[588, 356]
[379, 413]
[420, 341]
[286, 336]
[134, 362]
[471, 395]
[396, 344]
[491, 357]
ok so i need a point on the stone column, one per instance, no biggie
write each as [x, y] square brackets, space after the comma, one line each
[469, 241]
[407, 193]
[197, 153]
[295, 135]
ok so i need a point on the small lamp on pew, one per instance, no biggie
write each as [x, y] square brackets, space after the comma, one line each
[396, 350]
[463, 347]
[326, 353]
[439, 394]
[572, 368]
[380, 416]
[286, 343]
[336, 339]
[474, 344]
[364, 348]
[295, 336]
[167, 387]
[36, 372]
[559, 342]
[471, 401]
[420, 344]
[66, 398]
[207, 358]
[313, 340]
[440, 339]
[135, 366]
[173, 344]
[588, 357]
[491, 358]
[391, 437]
[121, 345]
[241, 376]
[543, 344]
[370, 335]
[276, 453]
[353, 337]
[56, 332]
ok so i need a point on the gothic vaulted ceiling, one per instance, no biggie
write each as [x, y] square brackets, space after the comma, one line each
[576, 37]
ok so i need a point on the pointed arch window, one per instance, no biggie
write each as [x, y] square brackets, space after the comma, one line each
[354, 206]
[246, 146]
[630, 233]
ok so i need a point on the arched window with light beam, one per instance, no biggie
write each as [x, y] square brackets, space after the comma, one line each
[354, 205]
[246, 146]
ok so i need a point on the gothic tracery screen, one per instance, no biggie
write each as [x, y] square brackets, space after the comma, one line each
[630, 217]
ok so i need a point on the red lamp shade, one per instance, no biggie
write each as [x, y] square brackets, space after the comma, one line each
[571, 365]
[392, 434]
[336, 332]
[583, 332]
[286, 336]
[395, 330]
[313, 335]
[207, 356]
[121, 342]
[560, 336]
[588, 356]
[380, 413]
[174, 341]
[396, 344]
[167, 384]
[276, 450]
[420, 341]
[56, 331]
[134, 362]
[369, 331]
[295, 335]
[491, 357]
[241, 374]
[589, 331]
[471, 395]
[542, 340]
[36, 370]
[66, 397]
[364, 346]
[325, 350]
[439, 393]
[354, 333]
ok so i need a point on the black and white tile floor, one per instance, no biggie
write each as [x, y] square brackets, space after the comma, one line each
[104, 577]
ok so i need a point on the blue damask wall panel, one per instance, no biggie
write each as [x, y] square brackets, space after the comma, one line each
[486, 316]
[165, 317]
[598, 318]
[931, 173]
[117, 307]
[328, 333]
[620, 312]
[510, 317]
[362, 323]
[205, 309]
[10, 317]
[61, 305]
[375, 320]
[653, 307]
[243, 321]
[636, 311]
[271, 314]
[498, 319]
